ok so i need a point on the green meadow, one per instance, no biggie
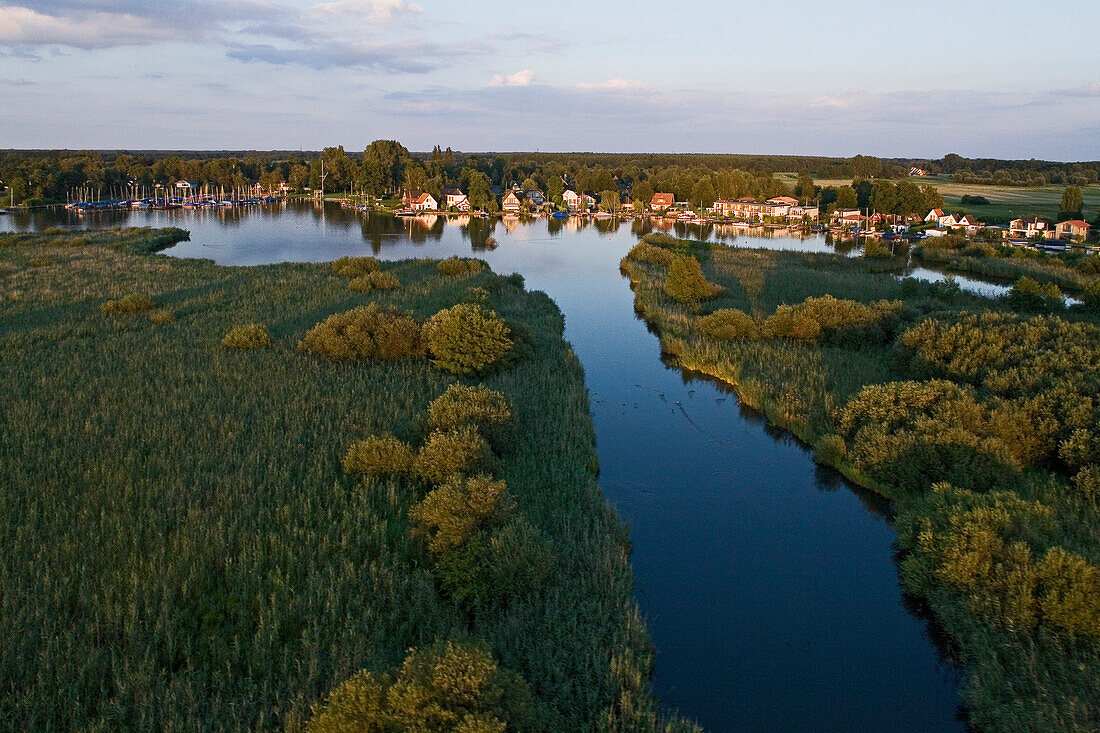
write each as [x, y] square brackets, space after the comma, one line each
[977, 417]
[184, 548]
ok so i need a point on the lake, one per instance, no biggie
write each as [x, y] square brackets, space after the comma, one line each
[769, 584]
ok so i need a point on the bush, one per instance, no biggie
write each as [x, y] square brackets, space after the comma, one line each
[463, 405]
[1091, 295]
[459, 507]
[654, 255]
[382, 454]
[875, 248]
[365, 332]
[355, 266]
[448, 452]
[161, 316]
[464, 339]
[968, 200]
[248, 336]
[375, 281]
[727, 324]
[451, 687]
[1030, 295]
[686, 283]
[460, 267]
[131, 303]
[791, 322]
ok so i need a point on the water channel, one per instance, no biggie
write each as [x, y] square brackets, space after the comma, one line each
[768, 583]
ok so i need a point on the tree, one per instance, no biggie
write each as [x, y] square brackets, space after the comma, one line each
[846, 198]
[609, 201]
[686, 282]
[1072, 203]
[806, 190]
[884, 197]
[703, 194]
[554, 189]
[643, 194]
[480, 192]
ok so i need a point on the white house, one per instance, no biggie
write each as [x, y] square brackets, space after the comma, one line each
[453, 198]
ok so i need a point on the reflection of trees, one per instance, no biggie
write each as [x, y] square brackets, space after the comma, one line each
[554, 226]
[478, 232]
[606, 226]
[641, 227]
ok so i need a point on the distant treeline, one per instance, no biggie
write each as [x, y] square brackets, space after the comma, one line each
[386, 167]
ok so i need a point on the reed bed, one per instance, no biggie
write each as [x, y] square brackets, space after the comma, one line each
[183, 548]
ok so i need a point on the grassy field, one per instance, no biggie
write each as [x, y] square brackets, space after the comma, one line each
[977, 417]
[1005, 202]
[183, 549]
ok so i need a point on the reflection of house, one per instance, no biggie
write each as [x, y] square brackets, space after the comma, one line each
[453, 198]
[1075, 230]
[510, 203]
[1027, 226]
[662, 201]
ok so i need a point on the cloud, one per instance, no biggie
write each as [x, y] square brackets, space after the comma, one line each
[621, 85]
[1085, 90]
[830, 103]
[368, 10]
[408, 57]
[20, 25]
[519, 79]
[16, 81]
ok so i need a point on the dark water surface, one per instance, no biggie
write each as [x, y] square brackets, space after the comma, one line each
[768, 583]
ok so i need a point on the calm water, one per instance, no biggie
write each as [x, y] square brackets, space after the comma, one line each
[768, 583]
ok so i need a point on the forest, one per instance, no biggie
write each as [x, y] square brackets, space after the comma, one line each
[300, 496]
[977, 417]
[385, 168]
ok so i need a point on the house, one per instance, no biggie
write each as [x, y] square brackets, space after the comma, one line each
[589, 200]
[1075, 230]
[934, 216]
[453, 198]
[747, 207]
[914, 171]
[1028, 226]
[571, 199]
[783, 201]
[511, 202]
[182, 185]
[535, 197]
[803, 213]
[419, 201]
[968, 224]
[662, 201]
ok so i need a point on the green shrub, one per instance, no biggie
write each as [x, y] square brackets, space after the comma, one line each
[451, 687]
[381, 454]
[1091, 295]
[459, 507]
[468, 405]
[248, 336]
[727, 324]
[447, 452]
[377, 280]
[476, 295]
[791, 322]
[876, 249]
[130, 303]
[161, 316]
[1069, 592]
[464, 339]
[1030, 295]
[460, 267]
[355, 266]
[686, 283]
[365, 332]
[644, 252]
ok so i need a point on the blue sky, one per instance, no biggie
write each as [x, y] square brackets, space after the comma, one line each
[997, 79]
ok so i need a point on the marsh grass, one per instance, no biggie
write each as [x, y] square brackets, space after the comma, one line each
[905, 385]
[182, 547]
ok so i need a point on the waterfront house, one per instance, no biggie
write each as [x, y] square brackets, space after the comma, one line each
[968, 224]
[1073, 231]
[934, 216]
[783, 201]
[1028, 226]
[571, 199]
[662, 201]
[420, 201]
[535, 197]
[187, 186]
[453, 198]
[749, 208]
[511, 202]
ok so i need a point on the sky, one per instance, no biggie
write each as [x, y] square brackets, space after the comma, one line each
[984, 78]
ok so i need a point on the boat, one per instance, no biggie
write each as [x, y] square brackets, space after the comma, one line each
[559, 215]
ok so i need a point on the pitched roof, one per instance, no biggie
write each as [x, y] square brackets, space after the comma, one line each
[1075, 223]
[783, 200]
[668, 199]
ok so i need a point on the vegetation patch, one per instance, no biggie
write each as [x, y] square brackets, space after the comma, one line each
[465, 339]
[377, 280]
[460, 267]
[355, 267]
[977, 416]
[247, 336]
[366, 332]
[129, 303]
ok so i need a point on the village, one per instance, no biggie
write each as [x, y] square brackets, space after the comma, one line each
[781, 212]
